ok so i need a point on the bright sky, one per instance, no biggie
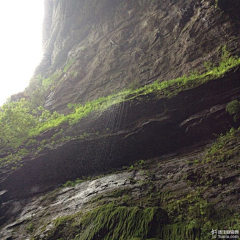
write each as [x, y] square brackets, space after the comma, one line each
[20, 44]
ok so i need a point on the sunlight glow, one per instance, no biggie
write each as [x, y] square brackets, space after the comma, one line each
[20, 44]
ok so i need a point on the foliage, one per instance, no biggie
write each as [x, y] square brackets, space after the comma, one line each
[192, 217]
[16, 119]
[73, 183]
[221, 150]
[109, 222]
[233, 108]
[199, 230]
[69, 64]
[39, 86]
[137, 165]
[196, 207]
[36, 91]
[50, 82]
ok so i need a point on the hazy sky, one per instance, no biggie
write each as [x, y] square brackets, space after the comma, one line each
[20, 44]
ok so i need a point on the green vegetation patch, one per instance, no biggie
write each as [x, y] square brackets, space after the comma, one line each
[51, 82]
[68, 65]
[16, 119]
[109, 222]
[199, 230]
[192, 217]
[73, 183]
[233, 108]
[224, 148]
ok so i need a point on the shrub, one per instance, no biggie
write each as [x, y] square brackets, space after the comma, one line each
[233, 108]
[16, 121]
[51, 81]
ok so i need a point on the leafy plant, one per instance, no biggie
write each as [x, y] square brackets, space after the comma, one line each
[233, 108]
[50, 82]
[16, 120]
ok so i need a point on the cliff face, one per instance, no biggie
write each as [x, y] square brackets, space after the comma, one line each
[115, 45]
[154, 78]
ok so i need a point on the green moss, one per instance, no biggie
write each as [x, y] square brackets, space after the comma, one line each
[222, 149]
[110, 222]
[137, 165]
[233, 108]
[68, 65]
[192, 217]
[31, 143]
[73, 183]
[196, 229]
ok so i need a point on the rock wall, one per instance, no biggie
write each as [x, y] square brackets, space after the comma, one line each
[101, 47]
[120, 44]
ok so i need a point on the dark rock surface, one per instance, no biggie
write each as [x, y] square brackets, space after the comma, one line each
[230, 7]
